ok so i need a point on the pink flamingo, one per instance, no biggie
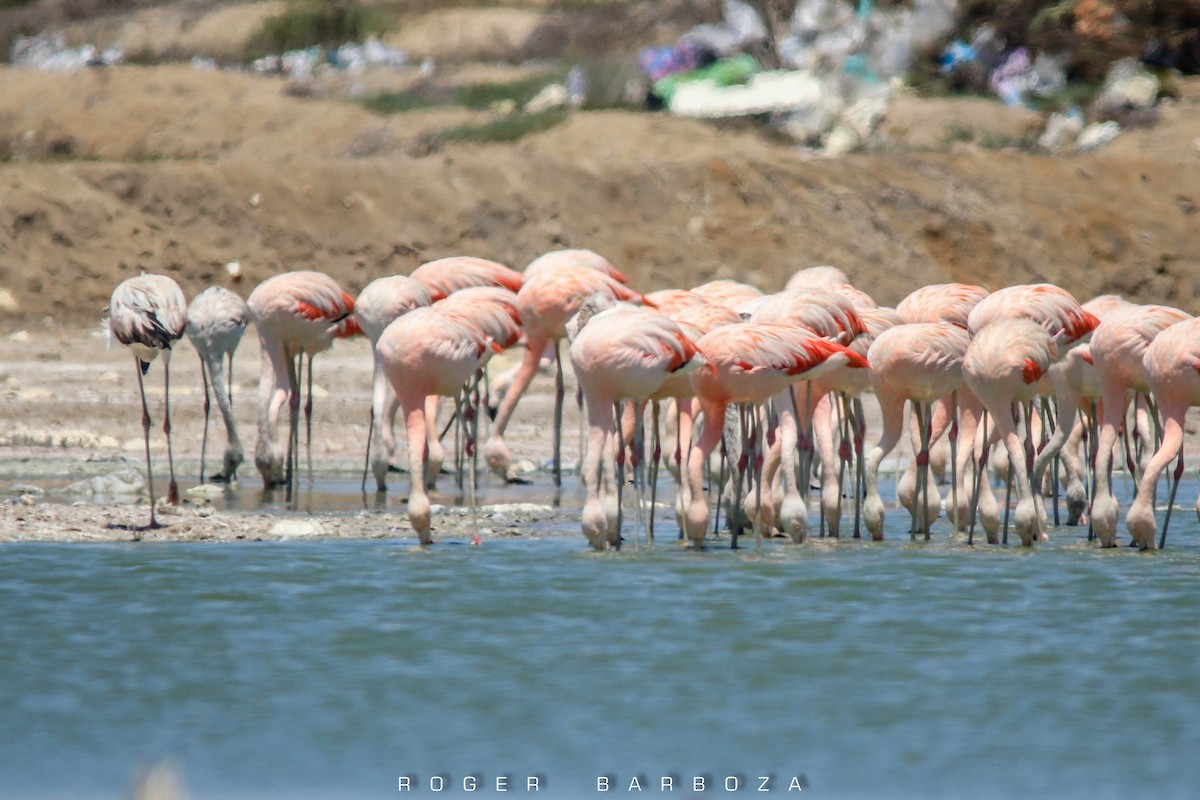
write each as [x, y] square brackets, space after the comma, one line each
[426, 353]
[1172, 365]
[727, 292]
[1050, 306]
[216, 320]
[919, 362]
[148, 314]
[816, 278]
[695, 321]
[495, 311]
[850, 384]
[619, 353]
[548, 298]
[1077, 368]
[668, 301]
[447, 275]
[380, 303]
[941, 302]
[296, 314]
[588, 259]
[1002, 366]
[832, 316]
[1117, 349]
[953, 303]
[749, 363]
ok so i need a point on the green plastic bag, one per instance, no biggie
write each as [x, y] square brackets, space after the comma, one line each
[723, 72]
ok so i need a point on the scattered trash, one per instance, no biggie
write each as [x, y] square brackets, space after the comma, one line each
[49, 52]
[553, 96]
[721, 73]
[763, 92]
[576, 84]
[1097, 135]
[1128, 86]
[1062, 130]
[1010, 80]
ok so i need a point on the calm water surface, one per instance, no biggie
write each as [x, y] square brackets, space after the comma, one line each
[330, 669]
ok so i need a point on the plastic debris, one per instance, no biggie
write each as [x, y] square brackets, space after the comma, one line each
[1128, 86]
[1097, 135]
[1062, 130]
[553, 96]
[49, 52]
[1010, 80]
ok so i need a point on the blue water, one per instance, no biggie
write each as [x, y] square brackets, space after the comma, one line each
[853, 669]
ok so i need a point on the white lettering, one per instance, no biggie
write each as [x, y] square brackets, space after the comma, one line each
[405, 784]
[698, 783]
[531, 784]
[633, 784]
[437, 783]
[501, 783]
[797, 783]
[731, 783]
[668, 784]
[601, 783]
[469, 783]
[762, 787]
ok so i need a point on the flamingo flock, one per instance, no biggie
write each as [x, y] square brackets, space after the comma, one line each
[750, 391]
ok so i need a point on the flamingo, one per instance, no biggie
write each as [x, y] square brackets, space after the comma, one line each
[148, 314]
[749, 363]
[1002, 366]
[920, 362]
[549, 296]
[850, 383]
[827, 314]
[424, 353]
[587, 259]
[381, 302]
[494, 310]
[447, 275]
[216, 320]
[953, 303]
[941, 302]
[1117, 349]
[727, 292]
[1050, 306]
[695, 321]
[296, 314]
[1172, 365]
[619, 353]
[668, 301]
[816, 277]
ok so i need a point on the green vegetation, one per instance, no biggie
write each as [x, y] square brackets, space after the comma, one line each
[505, 129]
[7, 4]
[476, 96]
[308, 23]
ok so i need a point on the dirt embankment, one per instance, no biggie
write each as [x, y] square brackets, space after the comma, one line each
[177, 170]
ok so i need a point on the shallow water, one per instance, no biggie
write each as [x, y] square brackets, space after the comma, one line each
[854, 669]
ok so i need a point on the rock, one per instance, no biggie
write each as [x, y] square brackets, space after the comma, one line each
[8, 302]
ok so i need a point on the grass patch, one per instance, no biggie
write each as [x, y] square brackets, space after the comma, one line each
[521, 91]
[7, 4]
[479, 96]
[400, 102]
[506, 129]
[309, 23]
